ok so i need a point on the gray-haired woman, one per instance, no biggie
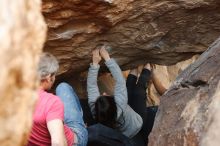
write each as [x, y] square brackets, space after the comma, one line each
[57, 120]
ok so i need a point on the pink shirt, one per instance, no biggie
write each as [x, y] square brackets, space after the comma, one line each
[48, 107]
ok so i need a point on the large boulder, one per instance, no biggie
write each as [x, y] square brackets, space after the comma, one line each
[189, 111]
[22, 34]
[162, 32]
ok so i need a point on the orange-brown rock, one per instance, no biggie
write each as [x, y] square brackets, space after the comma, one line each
[188, 114]
[165, 76]
[162, 32]
[22, 33]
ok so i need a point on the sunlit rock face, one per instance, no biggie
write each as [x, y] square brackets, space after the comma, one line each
[189, 111]
[22, 33]
[166, 75]
[162, 32]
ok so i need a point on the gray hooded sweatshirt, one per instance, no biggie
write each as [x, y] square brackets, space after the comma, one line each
[131, 121]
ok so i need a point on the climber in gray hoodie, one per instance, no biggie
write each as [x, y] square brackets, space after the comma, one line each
[114, 111]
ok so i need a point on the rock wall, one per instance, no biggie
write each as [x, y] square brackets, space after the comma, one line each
[22, 34]
[161, 32]
[188, 114]
[166, 75]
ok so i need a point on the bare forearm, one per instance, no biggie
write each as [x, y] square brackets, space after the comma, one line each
[158, 85]
[58, 142]
[56, 130]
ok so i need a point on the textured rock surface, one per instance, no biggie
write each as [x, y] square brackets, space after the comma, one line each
[166, 75]
[212, 135]
[22, 33]
[189, 110]
[162, 32]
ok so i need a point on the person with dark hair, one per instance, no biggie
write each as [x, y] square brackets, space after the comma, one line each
[105, 109]
[122, 116]
[125, 111]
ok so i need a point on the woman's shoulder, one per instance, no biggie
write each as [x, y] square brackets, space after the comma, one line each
[44, 95]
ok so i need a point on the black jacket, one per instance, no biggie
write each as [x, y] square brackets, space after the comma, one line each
[100, 135]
